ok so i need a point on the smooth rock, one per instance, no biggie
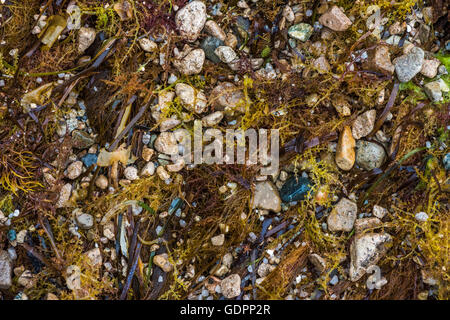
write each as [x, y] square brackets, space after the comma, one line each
[86, 37]
[369, 155]
[101, 182]
[343, 216]
[176, 166]
[227, 97]
[301, 31]
[267, 197]
[365, 251]
[218, 240]
[194, 100]
[74, 170]
[191, 63]
[363, 124]
[6, 267]
[166, 143]
[295, 189]
[421, 216]
[212, 28]
[434, 89]
[408, 65]
[168, 124]
[225, 54]
[148, 45]
[345, 151]
[231, 286]
[190, 20]
[231, 40]
[321, 64]
[85, 221]
[264, 269]
[335, 19]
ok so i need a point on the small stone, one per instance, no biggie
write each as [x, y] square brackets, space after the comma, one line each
[64, 196]
[131, 173]
[342, 106]
[190, 20]
[318, 262]
[343, 216]
[366, 250]
[108, 230]
[364, 123]
[73, 277]
[434, 89]
[379, 211]
[124, 10]
[86, 37]
[101, 182]
[231, 40]
[228, 98]
[176, 166]
[380, 60]
[231, 286]
[194, 100]
[369, 155]
[397, 28]
[209, 46]
[148, 170]
[334, 281]
[162, 173]
[446, 161]
[345, 151]
[51, 296]
[335, 19]
[81, 139]
[85, 221]
[301, 31]
[6, 267]
[168, 124]
[89, 159]
[166, 143]
[288, 13]
[421, 216]
[74, 170]
[264, 269]
[148, 45]
[191, 63]
[408, 65]
[267, 197]
[95, 257]
[218, 240]
[213, 29]
[430, 67]
[321, 64]
[295, 189]
[366, 223]
[225, 54]
[162, 261]
[147, 153]
[212, 119]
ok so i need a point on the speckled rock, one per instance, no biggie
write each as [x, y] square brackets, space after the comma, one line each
[227, 97]
[74, 170]
[212, 119]
[86, 37]
[148, 45]
[408, 65]
[64, 196]
[343, 216]
[231, 286]
[364, 123]
[301, 31]
[430, 67]
[365, 251]
[191, 63]
[366, 223]
[148, 169]
[435, 89]
[335, 19]
[5, 270]
[190, 20]
[379, 211]
[166, 143]
[212, 28]
[85, 221]
[225, 54]
[267, 197]
[131, 173]
[194, 100]
[369, 155]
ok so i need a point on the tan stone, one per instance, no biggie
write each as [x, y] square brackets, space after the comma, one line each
[147, 153]
[215, 30]
[335, 19]
[364, 124]
[343, 216]
[366, 223]
[345, 151]
[430, 67]
[380, 60]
